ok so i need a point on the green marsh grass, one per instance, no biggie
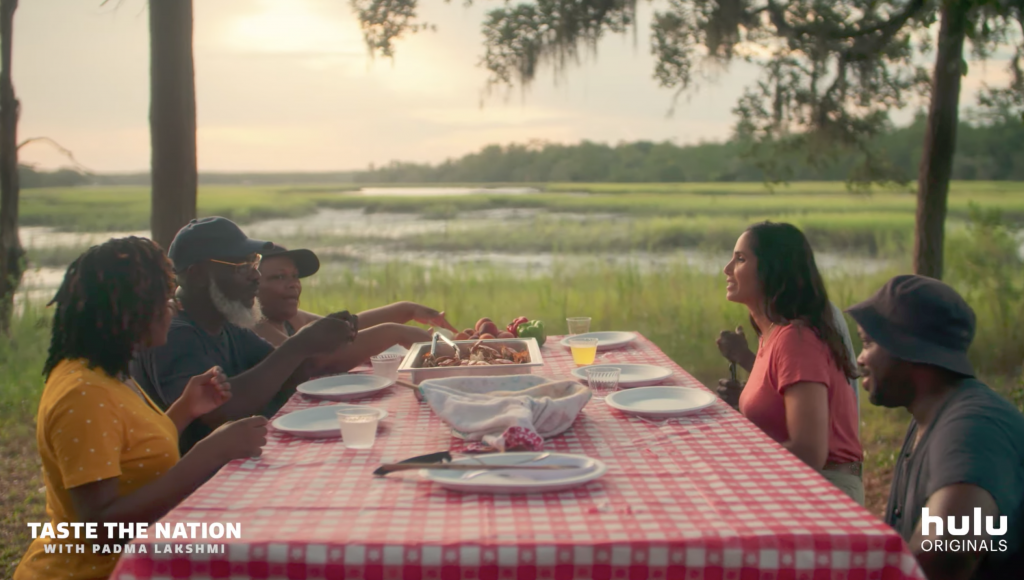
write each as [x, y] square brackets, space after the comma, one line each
[741, 205]
[862, 233]
[118, 208]
[654, 217]
[757, 188]
[127, 208]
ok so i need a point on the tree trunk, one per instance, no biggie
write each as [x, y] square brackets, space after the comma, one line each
[940, 141]
[12, 255]
[172, 118]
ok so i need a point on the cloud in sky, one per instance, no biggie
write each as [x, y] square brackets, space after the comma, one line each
[287, 85]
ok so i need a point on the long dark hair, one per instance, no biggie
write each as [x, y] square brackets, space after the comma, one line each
[793, 288]
[107, 303]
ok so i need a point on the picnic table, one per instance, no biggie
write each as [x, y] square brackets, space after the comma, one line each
[706, 496]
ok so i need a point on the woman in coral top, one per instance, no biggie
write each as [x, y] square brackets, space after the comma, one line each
[109, 453]
[798, 391]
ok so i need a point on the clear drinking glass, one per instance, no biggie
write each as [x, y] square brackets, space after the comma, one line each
[386, 364]
[358, 426]
[584, 350]
[603, 381]
[578, 325]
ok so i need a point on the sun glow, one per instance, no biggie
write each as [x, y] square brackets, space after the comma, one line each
[295, 28]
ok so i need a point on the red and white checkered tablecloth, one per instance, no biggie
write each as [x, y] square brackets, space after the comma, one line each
[702, 497]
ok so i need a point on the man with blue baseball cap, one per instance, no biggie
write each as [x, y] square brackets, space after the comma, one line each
[217, 268]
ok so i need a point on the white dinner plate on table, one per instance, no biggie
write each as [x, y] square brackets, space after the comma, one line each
[578, 470]
[317, 422]
[630, 375]
[344, 387]
[661, 402]
[605, 340]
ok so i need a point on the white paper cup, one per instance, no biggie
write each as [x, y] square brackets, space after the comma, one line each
[358, 426]
[386, 364]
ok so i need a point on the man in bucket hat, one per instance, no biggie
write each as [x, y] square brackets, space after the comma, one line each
[963, 456]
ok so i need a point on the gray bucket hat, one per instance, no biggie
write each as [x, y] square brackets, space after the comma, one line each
[921, 320]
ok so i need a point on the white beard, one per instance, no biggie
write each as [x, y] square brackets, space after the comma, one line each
[232, 310]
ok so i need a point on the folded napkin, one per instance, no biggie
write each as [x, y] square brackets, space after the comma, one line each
[506, 412]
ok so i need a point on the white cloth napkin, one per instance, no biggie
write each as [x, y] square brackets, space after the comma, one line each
[484, 408]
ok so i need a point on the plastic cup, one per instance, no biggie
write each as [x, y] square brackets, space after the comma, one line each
[584, 350]
[358, 426]
[603, 381]
[578, 325]
[386, 365]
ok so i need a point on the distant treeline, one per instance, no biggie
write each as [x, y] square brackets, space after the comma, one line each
[68, 177]
[985, 151]
[993, 151]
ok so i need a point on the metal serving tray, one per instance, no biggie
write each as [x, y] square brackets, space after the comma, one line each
[418, 374]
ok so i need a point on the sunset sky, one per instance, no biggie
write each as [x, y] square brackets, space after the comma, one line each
[287, 85]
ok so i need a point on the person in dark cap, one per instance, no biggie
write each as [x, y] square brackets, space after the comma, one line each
[217, 270]
[379, 329]
[963, 456]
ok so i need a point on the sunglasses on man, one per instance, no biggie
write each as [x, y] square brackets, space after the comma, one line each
[252, 262]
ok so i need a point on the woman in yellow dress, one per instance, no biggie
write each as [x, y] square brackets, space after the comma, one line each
[109, 453]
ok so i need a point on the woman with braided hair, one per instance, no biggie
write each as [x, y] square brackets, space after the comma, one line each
[109, 453]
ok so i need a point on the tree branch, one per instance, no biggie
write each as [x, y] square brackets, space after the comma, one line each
[829, 96]
[891, 26]
[872, 46]
[777, 15]
[888, 29]
[63, 150]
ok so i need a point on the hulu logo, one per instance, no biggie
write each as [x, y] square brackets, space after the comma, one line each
[963, 526]
[928, 521]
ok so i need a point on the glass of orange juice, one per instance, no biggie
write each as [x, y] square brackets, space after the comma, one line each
[584, 350]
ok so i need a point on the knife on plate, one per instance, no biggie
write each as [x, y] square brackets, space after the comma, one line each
[431, 459]
[393, 467]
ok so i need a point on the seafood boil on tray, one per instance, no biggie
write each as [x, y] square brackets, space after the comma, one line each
[479, 354]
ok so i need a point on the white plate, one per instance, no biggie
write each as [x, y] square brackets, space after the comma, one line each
[580, 469]
[317, 422]
[344, 387]
[630, 375]
[605, 340]
[661, 401]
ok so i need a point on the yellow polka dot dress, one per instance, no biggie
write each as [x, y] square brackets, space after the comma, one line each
[92, 427]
